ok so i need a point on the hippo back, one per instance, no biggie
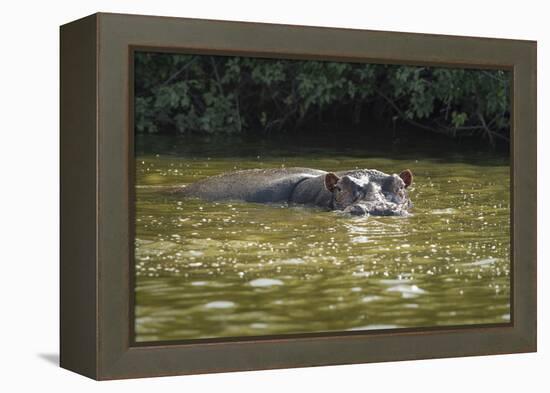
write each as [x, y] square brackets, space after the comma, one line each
[252, 185]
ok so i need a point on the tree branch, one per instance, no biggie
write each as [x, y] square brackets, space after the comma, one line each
[178, 72]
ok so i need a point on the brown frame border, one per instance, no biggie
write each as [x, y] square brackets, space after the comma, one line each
[96, 196]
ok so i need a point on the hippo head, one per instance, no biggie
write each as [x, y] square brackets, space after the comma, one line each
[361, 195]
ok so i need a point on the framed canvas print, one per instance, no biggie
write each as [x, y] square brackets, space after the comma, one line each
[241, 196]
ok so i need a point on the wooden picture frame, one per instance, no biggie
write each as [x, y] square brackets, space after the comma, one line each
[96, 196]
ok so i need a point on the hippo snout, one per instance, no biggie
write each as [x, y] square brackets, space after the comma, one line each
[379, 208]
[356, 210]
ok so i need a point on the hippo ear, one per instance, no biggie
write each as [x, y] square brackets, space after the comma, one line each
[330, 181]
[407, 177]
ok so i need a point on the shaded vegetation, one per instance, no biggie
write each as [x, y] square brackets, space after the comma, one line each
[200, 94]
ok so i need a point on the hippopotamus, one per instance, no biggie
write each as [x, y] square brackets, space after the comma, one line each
[357, 192]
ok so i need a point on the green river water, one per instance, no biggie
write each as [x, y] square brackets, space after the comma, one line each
[233, 269]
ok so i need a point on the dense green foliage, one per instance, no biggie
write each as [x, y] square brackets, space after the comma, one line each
[229, 95]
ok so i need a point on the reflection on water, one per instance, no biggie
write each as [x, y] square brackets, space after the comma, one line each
[224, 269]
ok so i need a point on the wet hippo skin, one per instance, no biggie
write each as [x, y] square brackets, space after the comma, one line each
[358, 192]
